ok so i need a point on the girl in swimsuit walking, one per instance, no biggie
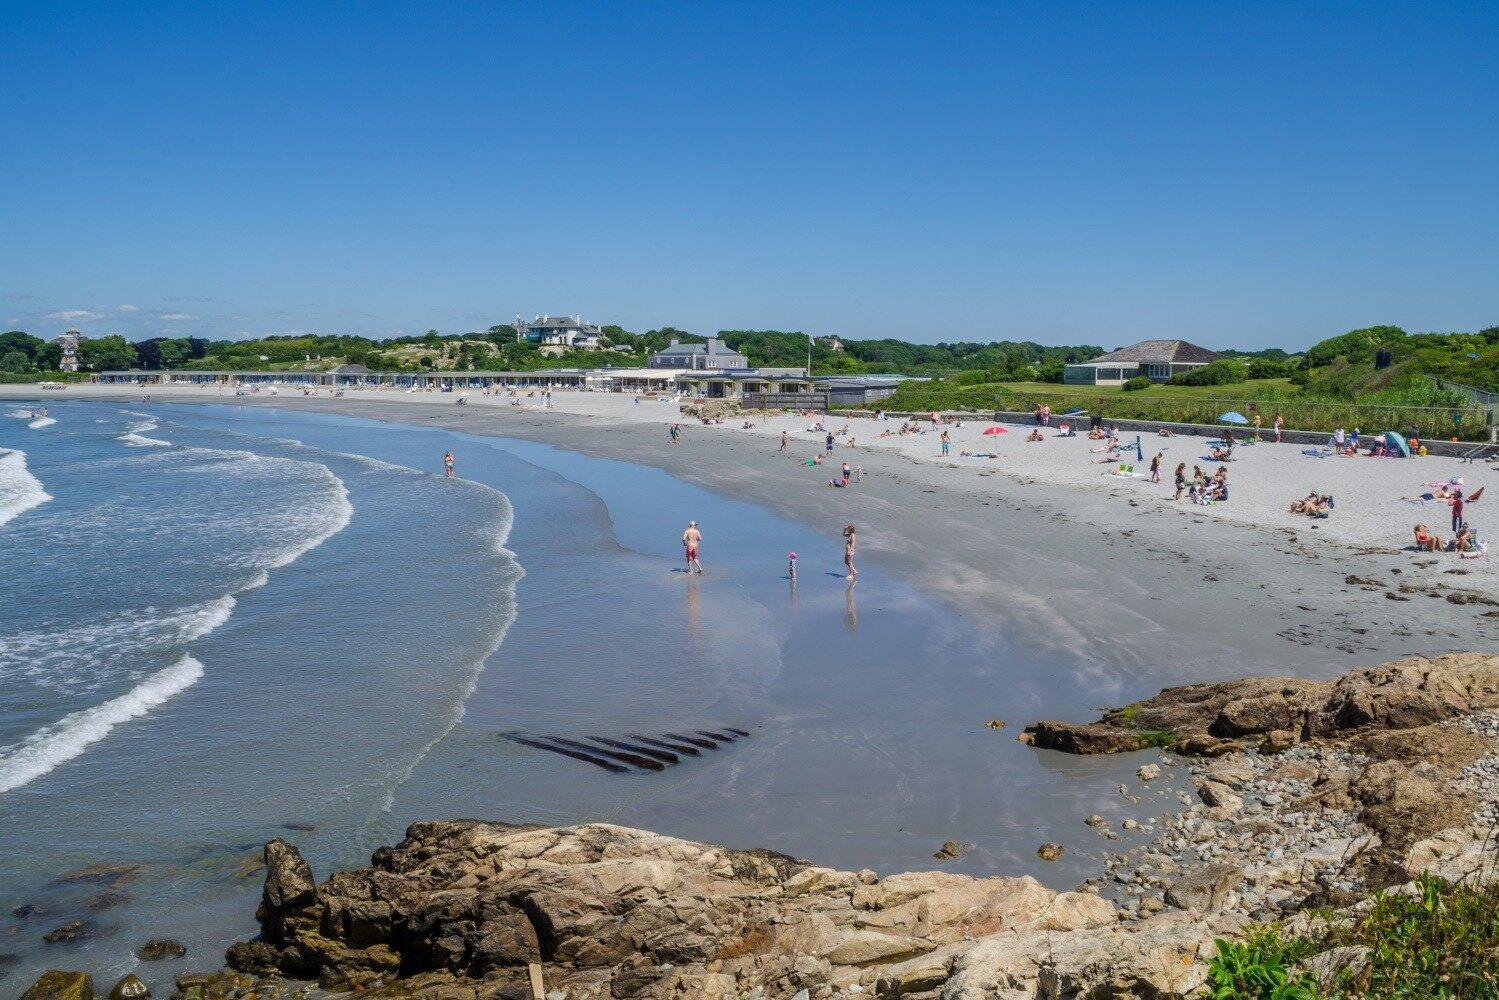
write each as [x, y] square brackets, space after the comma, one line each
[850, 542]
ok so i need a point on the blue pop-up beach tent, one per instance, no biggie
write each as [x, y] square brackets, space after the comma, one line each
[1396, 442]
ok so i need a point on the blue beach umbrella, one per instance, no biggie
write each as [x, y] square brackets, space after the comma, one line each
[1232, 417]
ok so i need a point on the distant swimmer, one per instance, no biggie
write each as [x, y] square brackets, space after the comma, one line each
[447, 463]
[691, 539]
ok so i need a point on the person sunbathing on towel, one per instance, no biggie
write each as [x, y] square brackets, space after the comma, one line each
[1223, 454]
[1035, 435]
[1464, 540]
[1426, 541]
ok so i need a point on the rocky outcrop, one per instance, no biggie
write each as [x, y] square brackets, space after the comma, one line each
[1213, 719]
[459, 908]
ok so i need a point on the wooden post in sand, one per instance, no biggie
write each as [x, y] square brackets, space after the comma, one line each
[538, 988]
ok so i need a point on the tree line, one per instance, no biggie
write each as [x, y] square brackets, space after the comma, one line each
[1357, 363]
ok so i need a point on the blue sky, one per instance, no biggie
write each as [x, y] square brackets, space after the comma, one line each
[1235, 174]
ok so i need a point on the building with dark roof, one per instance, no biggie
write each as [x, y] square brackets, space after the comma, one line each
[712, 356]
[1157, 360]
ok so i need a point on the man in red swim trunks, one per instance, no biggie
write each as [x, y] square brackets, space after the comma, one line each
[691, 539]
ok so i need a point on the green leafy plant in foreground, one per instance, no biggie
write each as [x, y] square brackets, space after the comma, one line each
[1440, 942]
[1258, 969]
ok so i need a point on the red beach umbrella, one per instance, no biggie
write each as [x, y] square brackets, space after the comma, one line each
[990, 432]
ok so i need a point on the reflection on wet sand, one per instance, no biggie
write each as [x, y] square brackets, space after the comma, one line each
[850, 609]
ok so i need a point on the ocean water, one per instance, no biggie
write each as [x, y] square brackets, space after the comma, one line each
[222, 624]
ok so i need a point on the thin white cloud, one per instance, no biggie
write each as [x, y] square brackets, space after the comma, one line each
[70, 315]
[127, 309]
[176, 316]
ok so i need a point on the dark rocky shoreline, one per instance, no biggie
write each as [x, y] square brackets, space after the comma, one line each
[1305, 794]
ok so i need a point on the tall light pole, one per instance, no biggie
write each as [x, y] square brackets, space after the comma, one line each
[809, 355]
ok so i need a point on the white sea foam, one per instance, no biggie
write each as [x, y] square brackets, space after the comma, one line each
[334, 518]
[67, 656]
[135, 436]
[60, 742]
[41, 422]
[19, 414]
[19, 489]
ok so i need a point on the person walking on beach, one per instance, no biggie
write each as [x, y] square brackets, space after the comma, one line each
[1457, 508]
[850, 543]
[829, 442]
[848, 473]
[447, 463]
[1280, 423]
[785, 440]
[1257, 423]
[946, 444]
[1155, 467]
[691, 539]
[1181, 480]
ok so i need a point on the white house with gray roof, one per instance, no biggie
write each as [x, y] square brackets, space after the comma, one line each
[1157, 360]
[712, 356]
[566, 332]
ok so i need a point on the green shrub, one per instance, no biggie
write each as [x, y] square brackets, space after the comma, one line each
[1224, 371]
[1259, 969]
[1136, 383]
[1440, 942]
[970, 378]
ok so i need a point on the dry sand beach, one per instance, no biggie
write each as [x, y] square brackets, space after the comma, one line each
[1042, 541]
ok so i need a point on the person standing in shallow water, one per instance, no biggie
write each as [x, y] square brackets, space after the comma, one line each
[447, 463]
[850, 543]
[691, 539]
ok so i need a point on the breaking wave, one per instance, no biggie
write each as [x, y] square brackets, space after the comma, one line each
[19, 489]
[135, 436]
[65, 739]
[41, 422]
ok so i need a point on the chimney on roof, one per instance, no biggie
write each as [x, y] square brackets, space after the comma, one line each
[714, 344]
[675, 341]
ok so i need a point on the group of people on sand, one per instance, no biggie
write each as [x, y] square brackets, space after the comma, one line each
[1314, 504]
[1465, 542]
[692, 541]
[1201, 488]
[1464, 538]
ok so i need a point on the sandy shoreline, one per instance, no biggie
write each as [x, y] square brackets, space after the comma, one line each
[1107, 571]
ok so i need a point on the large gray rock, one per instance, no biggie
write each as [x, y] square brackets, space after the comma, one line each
[1204, 889]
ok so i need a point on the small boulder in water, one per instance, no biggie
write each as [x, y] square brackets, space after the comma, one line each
[105, 900]
[130, 988]
[157, 949]
[995, 723]
[952, 850]
[58, 985]
[112, 875]
[71, 930]
[1050, 852]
